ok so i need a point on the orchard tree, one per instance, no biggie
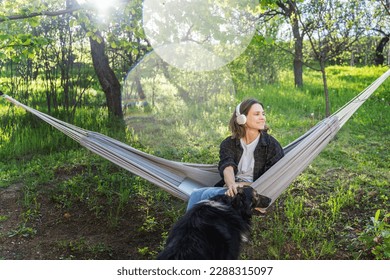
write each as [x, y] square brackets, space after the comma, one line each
[277, 14]
[332, 27]
[380, 20]
[97, 27]
[290, 11]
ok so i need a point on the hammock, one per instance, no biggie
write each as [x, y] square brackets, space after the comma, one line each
[180, 179]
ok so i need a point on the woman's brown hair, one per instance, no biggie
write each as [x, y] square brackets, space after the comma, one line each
[238, 131]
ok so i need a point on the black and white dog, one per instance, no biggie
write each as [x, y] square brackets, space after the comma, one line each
[214, 229]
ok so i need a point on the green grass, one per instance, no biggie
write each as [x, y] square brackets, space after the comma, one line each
[329, 212]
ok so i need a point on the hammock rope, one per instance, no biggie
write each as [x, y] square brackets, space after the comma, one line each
[180, 179]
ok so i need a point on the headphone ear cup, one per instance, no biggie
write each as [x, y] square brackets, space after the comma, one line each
[241, 119]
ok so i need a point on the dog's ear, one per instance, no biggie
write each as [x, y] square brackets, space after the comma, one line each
[240, 190]
[237, 199]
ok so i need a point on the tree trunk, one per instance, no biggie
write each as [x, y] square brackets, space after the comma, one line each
[140, 90]
[326, 92]
[290, 12]
[379, 57]
[298, 53]
[352, 61]
[107, 79]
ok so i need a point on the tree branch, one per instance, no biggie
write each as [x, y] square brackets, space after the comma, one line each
[43, 13]
[382, 32]
[386, 6]
[292, 53]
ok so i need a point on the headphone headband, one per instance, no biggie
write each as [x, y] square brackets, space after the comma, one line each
[238, 110]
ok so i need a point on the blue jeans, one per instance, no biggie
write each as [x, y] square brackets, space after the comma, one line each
[204, 193]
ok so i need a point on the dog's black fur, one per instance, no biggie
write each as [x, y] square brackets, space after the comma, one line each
[213, 229]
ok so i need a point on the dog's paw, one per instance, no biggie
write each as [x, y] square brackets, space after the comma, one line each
[260, 212]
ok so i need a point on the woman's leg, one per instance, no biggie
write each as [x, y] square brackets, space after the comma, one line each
[203, 194]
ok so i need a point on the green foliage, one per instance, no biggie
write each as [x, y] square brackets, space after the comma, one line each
[77, 247]
[3, 218]
[259, 64]
[147, 253]
[45, 62]
[376, 236]
[330, 201]
[323, 215]
[23, 231]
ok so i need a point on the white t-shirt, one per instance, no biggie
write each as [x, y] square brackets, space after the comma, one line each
[247, 161]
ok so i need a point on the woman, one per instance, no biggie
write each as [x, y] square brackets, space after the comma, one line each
[245, 155]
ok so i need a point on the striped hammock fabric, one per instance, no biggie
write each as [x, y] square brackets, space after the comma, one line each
[180, 179]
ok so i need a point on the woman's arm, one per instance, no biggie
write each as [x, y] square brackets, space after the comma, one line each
[230, 181]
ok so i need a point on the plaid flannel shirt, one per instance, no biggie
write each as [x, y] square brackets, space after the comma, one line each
[267, 152]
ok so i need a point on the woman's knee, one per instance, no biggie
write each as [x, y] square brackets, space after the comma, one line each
[210, 192]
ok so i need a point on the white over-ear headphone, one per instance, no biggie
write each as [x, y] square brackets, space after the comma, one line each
[241, 118]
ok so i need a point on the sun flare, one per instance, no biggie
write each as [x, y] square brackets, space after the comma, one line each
[101, 5]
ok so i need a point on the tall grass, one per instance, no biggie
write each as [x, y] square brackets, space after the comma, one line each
[325, 214]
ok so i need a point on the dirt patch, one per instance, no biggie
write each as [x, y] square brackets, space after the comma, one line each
[74, 234]
[9, 208]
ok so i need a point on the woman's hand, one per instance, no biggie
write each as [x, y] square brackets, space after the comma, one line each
[232, 189]
[230, 181]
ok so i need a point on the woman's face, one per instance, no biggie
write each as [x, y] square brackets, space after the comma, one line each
[256, 117]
